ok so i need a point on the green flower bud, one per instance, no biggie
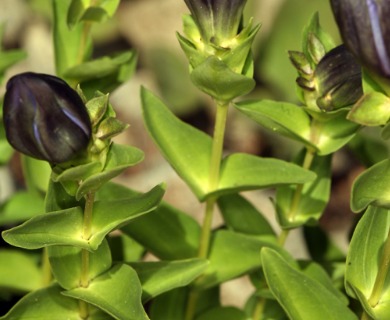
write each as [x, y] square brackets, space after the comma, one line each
[45, 118]
[365, 28]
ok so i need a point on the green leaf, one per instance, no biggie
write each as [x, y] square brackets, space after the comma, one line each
[232, 255]
[301, 296]
[272, 309]
[364, 254]
[225, 313]
[67, 42]
[9, 58]
[120, 157]
[373, 109]
[37, 174]
[66, 266]
[116, 292]
[314, 196]
[15, 210]
[371, 187]
[159, 277]
[170, 305]
[277, 117]
[187, 149]
[168, 233]
[242, 171]
[216, 79]
[65, 227]
[241, 216]
[19, 271]
[47, 304]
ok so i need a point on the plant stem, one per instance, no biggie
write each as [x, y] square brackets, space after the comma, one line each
[365, 316]
[87, 231]
[259, 309]
[215, 164]
[46, 269]
[381, 274]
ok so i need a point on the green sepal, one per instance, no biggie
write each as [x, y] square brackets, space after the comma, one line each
[242, 252]
[19, 272]
[65, 227]
[314, 196]
[314, 28]
[301, 296]
[373, 109]
[241, 216]
[194, 56]
[361, 269]
[372, 187]
[47, 304]
[65, 262]
[162, 276]
[117, 292]
[215, 78]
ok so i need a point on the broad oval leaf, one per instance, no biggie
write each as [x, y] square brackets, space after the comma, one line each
[301, 296]
[65, 262]
[363, 259]
[47, 304]
[116, 292]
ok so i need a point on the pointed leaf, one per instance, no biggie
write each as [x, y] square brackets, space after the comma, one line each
[65, 227]
[19, 271]
[363, 260]
[301, 296]
[159, 277]
[276, 116]
[371, 187]
[232, 255]
[187, 149]
[241, 216]
[170, 305]
[242, 171]
[66, 266]
[47, 304]
[116, 292]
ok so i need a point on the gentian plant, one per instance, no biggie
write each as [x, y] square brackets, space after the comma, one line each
[77, 250]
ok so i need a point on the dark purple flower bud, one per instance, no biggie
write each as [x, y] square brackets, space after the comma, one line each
[45, 118]
[365, 28]
[217, 20]
[338, 80]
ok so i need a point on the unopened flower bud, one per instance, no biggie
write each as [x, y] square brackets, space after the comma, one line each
[45, 118]
[338, 80]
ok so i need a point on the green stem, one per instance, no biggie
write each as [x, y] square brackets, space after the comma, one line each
[87, 231]
[365, 316]
[215, 164]
[46, 269]
[381, 274]
[259, 309]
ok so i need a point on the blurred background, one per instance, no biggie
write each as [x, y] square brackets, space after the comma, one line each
[149, 27]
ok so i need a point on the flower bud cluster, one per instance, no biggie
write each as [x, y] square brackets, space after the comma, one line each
[328, 79]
